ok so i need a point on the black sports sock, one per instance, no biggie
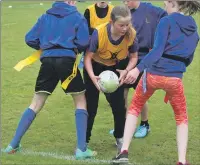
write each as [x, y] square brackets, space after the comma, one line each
[144, 123]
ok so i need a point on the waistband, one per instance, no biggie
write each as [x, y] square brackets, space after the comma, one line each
[144, 50]
[176, 58]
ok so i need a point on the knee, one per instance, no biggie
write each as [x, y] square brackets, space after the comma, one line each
[181, 119]
[38, 101]
[80, 101]
[180, 112]
[134, 110]
[36, 106]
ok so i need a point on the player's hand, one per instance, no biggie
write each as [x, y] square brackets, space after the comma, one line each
[72, 3]
[95, 80]
[122, 75]
[132, 76]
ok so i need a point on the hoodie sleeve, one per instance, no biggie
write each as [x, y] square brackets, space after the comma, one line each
[134, 47]
[82, 36]
[32, 37]
[159, 45]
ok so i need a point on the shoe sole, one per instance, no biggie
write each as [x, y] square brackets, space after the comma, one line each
[87, 157]
[120, 161]
[83, 158]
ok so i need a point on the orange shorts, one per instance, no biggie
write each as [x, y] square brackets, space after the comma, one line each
[174, 91]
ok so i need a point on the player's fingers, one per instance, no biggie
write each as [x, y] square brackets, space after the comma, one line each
[97, 77]
[119, 70]
[133, 81]
[98, 87]
[121, 82]
[129, 80]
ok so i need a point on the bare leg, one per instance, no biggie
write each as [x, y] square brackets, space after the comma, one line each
[144, 113]
[182, 140]
[26, 120]
[38, 101]
[80, 101]
[130, 126]
[175, 92]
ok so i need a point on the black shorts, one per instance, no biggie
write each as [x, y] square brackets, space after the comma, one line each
[123, 64]
[54, 69]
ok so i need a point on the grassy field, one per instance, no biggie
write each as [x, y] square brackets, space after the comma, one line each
[51, 139]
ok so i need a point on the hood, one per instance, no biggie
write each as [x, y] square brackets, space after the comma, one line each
[61, 9]
[186, 23]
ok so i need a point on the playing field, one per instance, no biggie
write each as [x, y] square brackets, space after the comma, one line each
[51, 139]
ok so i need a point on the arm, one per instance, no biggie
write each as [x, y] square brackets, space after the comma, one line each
[93, 46]
[133, 58]
[154, 55]
[88, 64]
[32, 37]
[82, 36]
[159, 45]
[189, 60]
[132, 61]
[87, 17]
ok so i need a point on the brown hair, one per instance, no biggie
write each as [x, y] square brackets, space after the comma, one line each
[189, 7]
[121, 12]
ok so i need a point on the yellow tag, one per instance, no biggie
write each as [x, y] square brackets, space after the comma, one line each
[71, 77]
[28, 61]
[36, 55]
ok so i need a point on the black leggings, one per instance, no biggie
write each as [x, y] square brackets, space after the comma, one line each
[115, 99]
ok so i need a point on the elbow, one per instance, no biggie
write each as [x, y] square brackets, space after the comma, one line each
[33, 45]
[27, 40]
[82, 45]
[82, 48]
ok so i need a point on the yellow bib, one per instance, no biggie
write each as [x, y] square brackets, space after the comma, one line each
[107, 53]
[95, 20]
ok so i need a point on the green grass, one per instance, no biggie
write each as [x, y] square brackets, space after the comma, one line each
[54, 128]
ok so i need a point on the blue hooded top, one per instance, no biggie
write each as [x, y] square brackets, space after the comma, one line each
[58, 32]
[176, 36]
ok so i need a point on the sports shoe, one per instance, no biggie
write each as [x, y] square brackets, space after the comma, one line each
[179, 163]
[121, 158]
[111, 132]
[10, 150]
[142, 131]
[80, 155]
[119, 143]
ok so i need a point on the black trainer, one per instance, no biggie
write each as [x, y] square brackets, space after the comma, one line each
[121, 158]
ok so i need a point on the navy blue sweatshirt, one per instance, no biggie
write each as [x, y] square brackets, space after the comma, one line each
[145, 20]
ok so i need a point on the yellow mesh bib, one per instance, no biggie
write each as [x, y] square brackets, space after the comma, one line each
[95, 20]
[107, 53]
